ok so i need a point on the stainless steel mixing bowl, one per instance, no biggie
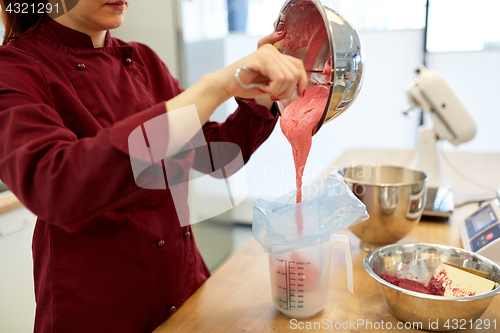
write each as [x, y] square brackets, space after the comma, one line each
[419, 261]
[311, 26]
[394, 198]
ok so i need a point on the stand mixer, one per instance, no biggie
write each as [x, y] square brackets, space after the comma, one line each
[451, 122]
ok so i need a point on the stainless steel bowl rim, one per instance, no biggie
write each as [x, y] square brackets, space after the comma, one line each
[360, 182]
[377, 278]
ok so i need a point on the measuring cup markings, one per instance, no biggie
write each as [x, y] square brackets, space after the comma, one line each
[296, 284]
[300, 279]
[282, 273]
[292, 283]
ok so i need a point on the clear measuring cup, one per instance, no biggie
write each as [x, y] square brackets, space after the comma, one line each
[300, 279]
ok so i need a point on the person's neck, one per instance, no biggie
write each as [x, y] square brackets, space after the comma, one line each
[98, 36]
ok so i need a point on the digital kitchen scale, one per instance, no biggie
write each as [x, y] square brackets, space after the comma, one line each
[481, 231]
[439, 202]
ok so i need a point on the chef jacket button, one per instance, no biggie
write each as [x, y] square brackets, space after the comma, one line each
[80, 67]
[160, 243]
[127, 61]
[172, 309]
[187, 235]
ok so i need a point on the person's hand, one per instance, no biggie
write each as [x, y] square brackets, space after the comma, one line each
[281, 74]
[276, 36]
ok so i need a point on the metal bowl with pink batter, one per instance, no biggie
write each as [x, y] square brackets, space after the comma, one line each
[419, 261]
[322, 37]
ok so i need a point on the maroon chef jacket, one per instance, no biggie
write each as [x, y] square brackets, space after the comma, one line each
[108, 255]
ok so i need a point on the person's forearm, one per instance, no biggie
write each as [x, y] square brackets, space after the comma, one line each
[206, 94]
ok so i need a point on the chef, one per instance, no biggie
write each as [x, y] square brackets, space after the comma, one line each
[108, 255]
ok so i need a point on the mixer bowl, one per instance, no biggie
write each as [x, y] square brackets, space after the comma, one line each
[394, 198]
[418, 262]
[316, 34]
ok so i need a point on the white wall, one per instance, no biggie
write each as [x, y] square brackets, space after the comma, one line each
[17, 296]
[474, 77]
[374, 120]
[157, 24]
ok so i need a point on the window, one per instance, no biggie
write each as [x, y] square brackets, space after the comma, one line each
[463, 25]
[363, 14]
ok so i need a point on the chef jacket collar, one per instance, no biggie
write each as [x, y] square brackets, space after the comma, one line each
[61, 34]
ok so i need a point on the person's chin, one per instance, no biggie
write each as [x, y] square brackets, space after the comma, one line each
[114, 23]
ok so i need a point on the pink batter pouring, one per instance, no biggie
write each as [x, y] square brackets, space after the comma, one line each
[300, 118]
[298, 122]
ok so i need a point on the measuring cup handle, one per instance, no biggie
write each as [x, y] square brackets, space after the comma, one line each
[343, 242]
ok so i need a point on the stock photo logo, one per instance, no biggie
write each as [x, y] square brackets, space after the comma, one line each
[164, 149]
[55, 8]
[52, 8]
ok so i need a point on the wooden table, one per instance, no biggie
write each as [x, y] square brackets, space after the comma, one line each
[237, 298]
[8, 202]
